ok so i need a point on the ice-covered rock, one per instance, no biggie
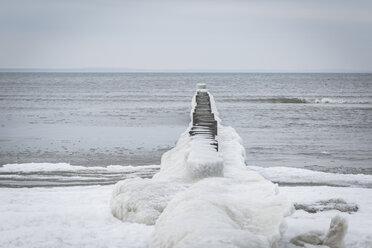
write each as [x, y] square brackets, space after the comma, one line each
[142, 200]
[326, 205]
[333, 239]
[223, 212]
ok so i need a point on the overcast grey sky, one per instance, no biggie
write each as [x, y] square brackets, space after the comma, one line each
[298, 35]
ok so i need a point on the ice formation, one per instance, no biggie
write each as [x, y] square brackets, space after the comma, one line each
[204, 198]
[333, 239]
[326, 205]
[298, 176]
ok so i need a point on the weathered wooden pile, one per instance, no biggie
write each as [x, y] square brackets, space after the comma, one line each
[204, 124]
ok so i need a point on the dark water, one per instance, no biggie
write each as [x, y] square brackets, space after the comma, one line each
[317, 121]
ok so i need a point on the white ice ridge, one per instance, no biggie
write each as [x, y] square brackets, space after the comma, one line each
[49, 167]
[191, 206]
[287, 175]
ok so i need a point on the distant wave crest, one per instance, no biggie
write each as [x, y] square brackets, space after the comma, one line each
[339, 101]
[299, 100]
[268, 100]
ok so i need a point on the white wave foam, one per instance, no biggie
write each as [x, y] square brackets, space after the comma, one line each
[328, 100]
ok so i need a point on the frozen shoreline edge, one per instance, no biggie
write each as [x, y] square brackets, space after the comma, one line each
[46, 174]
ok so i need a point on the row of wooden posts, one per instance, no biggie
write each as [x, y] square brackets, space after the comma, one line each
[203, 120]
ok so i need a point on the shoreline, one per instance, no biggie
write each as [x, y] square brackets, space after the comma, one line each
[63, 174]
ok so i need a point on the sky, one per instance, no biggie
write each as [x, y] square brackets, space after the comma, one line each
[188, 35]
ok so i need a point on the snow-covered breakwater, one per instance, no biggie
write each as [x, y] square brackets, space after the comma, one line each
[203, 160]
[204, 198]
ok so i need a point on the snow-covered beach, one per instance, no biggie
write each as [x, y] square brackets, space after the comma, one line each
[79, 216]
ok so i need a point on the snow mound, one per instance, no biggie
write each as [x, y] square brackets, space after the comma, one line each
[203, 160]
[223, 212]
[333, 239]
[65, 217]
[142, 200]
[201, 198]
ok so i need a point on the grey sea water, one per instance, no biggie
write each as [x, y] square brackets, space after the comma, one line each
[317, 121]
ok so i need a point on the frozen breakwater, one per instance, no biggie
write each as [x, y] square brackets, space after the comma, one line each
[204, 195]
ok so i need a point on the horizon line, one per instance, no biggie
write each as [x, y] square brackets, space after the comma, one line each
[135, 70]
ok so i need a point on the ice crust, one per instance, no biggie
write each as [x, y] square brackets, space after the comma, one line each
[201, 198]
[61, 216]
[222, 213]
[142, 200]
[286, 175]
[48, 167]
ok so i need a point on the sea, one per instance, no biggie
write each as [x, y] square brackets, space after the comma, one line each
[316, 121]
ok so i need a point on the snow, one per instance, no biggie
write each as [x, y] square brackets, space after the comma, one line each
[286, 175]
[359, 233]
[80, 217]
[222, 213]
[142, 200]
[333, 239]
[65, 217]
[202, 160]
[336, 233]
